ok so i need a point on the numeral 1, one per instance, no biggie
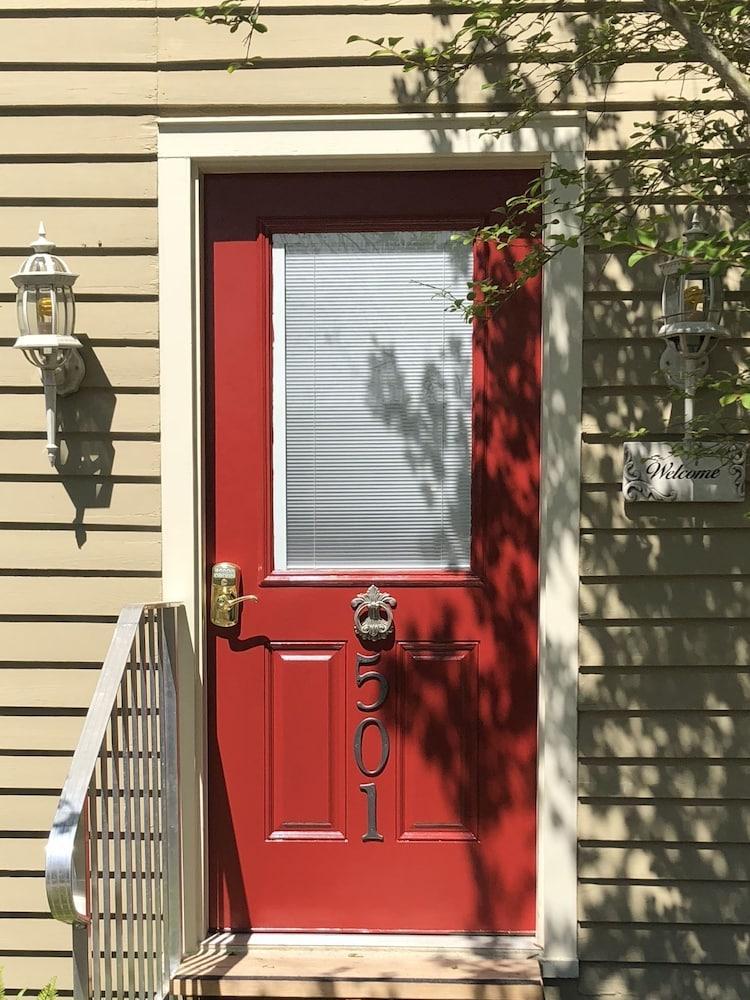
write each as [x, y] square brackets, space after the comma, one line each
[372, 811]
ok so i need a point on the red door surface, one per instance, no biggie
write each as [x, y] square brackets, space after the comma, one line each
[358, 783]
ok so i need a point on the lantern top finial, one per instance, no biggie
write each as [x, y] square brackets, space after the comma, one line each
[696, 224]
[41, 244]
[43, 263]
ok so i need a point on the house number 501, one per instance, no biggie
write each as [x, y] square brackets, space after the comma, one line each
[370, 788]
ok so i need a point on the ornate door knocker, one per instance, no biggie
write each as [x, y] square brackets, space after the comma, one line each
[373, 618]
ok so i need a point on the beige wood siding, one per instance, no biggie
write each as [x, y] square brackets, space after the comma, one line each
[665, 645]
[664, 824]
[78, 150]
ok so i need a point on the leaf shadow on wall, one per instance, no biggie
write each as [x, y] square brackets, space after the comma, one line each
[663, 741]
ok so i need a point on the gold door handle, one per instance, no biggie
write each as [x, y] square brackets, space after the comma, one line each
[232, 601]
[225, 599]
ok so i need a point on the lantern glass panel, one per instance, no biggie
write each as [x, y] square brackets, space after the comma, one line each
[68, 312]
[23, 322]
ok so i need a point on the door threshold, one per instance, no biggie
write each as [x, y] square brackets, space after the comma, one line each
[358, 967]
[231, 942]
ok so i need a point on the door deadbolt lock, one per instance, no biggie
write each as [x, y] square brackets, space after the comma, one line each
[225, 599]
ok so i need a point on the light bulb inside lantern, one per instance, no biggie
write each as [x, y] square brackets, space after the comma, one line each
[695, 299]
[44, 310]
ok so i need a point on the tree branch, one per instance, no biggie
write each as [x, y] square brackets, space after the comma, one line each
[732, 77]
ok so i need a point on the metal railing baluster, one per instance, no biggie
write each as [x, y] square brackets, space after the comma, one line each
[94, 880]
[115, 793]
[148, 855]
[128, 799]
[155, 796]
[140, 943]
[107, 850]
[113, 855]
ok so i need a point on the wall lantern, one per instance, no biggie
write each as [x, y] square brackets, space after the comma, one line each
[46, 320]
[692, 302]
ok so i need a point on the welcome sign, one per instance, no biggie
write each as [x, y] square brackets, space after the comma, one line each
[652, 471]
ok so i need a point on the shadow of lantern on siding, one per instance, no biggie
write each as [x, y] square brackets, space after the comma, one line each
[86, 448]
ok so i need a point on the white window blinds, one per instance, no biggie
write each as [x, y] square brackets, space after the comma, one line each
[372, 401]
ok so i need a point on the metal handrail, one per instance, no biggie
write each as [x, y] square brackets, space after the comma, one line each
[113, 854]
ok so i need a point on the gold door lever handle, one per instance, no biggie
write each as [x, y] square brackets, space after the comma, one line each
[231, 601]
[225, 599]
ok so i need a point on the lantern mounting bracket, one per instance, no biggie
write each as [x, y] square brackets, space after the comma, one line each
[69, 375]
[679, 373]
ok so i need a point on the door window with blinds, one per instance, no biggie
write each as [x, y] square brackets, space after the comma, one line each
[372, 401]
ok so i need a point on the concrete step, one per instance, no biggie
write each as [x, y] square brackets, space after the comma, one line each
[370, 972]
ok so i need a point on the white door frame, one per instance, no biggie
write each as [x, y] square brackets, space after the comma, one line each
[189, 148]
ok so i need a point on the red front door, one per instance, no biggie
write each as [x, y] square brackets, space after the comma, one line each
[380, 780]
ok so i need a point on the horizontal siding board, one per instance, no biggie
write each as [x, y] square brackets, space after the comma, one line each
[603, 509]
[665, 734]
[707, 643]
[28, 773]
[38, 732]
[667, 903]
[664, 982]
[611, 410]
[700, 945]
[366, 85]
[22, 854]
[46, 687]
[75, 595]
[607, 270]
[676, 822]
[677, 597]
[78, 453]
[687, 688]
[89, 180]
[93, 411]
[77, 135]
[91, 7]
[659, 862]
[640, 553]
[77, 550]
[300, 37]
[31, 972]
[76, 498]
[114, 227]
[98, 40]
[54, 642]
[29, 89]
[660, 780]
[20, 934]
[636, 362]
[101, 321]
[121, 367]
[605, 411]
[27, 813]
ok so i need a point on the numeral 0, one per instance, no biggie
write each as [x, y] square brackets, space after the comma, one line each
[385, 747]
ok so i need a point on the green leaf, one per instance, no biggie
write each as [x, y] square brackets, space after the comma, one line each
[745, 400]
[728, 398]
[636, 257]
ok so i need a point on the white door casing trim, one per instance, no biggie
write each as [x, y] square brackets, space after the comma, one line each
[189, 148]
